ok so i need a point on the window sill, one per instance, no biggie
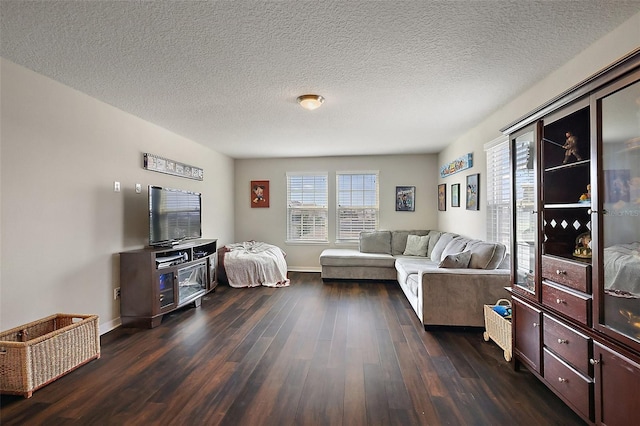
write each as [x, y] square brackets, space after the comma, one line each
[306, 243]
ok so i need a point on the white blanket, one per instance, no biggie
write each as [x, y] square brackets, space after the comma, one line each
[622, 268]
[253, 263]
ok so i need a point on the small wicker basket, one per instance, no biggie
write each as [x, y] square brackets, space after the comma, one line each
[35, 354]
[498, 328]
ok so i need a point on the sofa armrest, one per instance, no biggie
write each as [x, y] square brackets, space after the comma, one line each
[457, 296]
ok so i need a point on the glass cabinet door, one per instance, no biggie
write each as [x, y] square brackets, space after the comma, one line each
[192, 282]
[166, 294]
[523, 159]
[619, 212]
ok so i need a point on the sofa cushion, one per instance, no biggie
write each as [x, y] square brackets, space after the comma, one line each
[456, 260]
[352, 257]
[413, 264]
[375, 242]
[399, 240]
[416, 245]
[456, 245]
[434, 236]
[486, 255]
[436, 252]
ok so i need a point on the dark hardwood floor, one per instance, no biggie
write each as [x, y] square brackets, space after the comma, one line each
[336, 353]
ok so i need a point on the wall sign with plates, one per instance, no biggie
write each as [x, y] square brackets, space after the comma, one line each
[164, 165]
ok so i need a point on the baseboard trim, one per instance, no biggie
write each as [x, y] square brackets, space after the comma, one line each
[304, 269]
[110, 325]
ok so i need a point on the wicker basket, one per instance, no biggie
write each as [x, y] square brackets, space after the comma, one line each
[498, 328]
[37, 353]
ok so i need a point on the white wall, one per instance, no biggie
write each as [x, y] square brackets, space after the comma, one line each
[602, 53]
[269, 224]
[62, 225]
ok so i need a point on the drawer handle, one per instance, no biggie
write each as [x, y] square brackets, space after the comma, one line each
[560, 301]
[594, 361]
[560, 272]
[562, 380]
[535, 324]
[561, 341]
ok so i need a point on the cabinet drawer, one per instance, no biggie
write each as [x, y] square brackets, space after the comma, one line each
[573, 387]
[572, 304]
[527, 321]
[568, 344]
[572, 274]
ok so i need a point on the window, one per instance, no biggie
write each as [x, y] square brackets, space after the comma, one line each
[307, 209]
[357, 204]
[498, 192]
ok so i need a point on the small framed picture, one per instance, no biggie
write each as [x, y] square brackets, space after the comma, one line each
[473, 192]
[259, 193]
[455, 195]
[442, 197]
[405, 198]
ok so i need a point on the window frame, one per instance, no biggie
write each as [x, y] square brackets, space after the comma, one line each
[498, 191]
[320, 195]
[366, 209]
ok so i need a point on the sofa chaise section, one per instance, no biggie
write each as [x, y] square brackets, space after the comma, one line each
[352, 264]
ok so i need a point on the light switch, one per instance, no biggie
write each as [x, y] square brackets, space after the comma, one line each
[138, 188]
[116, 186]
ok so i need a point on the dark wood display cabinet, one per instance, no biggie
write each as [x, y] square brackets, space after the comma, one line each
[155, 281]
[575, 165]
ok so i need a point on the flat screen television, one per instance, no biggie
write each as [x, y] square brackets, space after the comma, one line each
[174, 216]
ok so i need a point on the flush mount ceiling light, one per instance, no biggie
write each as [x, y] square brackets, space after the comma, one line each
[310, 102]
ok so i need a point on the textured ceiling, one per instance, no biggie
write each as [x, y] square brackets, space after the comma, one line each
[398, 76]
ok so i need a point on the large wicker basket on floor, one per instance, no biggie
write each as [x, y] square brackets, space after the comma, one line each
[37, 353]
[498, 328]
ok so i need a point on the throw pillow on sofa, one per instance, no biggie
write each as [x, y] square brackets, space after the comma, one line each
[399, 239]
[456, 260]
[486, 255]
[416, 245]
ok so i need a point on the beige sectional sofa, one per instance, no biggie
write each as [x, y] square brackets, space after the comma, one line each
[447, 278]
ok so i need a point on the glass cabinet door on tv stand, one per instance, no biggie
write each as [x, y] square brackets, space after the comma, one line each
[192, 283]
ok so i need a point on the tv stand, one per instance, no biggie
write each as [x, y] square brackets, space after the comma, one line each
[157, 280]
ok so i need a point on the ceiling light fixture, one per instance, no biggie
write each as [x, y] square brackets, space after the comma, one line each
[310, 102]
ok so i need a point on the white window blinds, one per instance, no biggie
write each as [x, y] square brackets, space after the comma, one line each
[498, 192]
[307, 207]
[357, 204]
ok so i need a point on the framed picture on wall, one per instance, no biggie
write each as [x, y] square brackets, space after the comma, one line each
[473, 192]
[405, 198]
[455, 195]
[442, 197]
[259, 193]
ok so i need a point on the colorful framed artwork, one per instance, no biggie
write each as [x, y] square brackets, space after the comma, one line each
[455, 195]
[259, 193]
[457, 165]
[405, 198]
[442, 197]
[473, 192]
